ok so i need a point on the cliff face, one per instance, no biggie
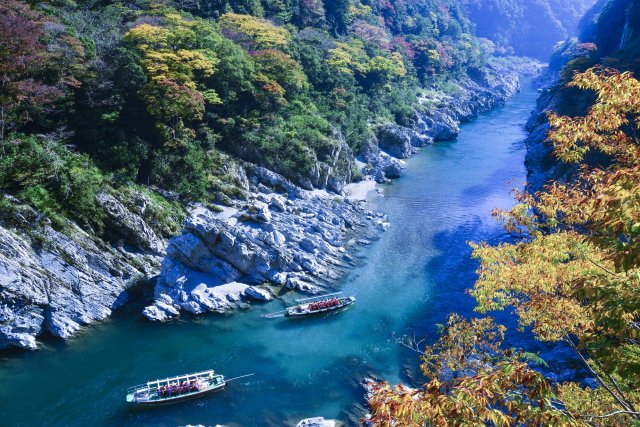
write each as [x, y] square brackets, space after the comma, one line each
[527, 27]
[609, 36]
[54, 282]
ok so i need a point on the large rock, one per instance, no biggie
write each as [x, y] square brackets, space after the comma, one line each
[57, 282]
[128, 225]
[395, 140]
[258, 293]
[444, 127]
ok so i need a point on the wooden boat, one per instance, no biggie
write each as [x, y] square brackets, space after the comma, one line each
[182, 387]
[317, 305]
[177, 388]
[314, 305]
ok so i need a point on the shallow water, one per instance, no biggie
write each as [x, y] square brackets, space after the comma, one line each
[411, 279]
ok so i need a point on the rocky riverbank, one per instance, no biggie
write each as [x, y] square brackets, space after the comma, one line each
[284, 236]
[57, 281]
[438, 115]
[281, 236]
[275, 235]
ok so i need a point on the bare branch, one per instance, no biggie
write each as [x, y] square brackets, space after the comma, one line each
[620, 399]
[612, 414]
[412, 344]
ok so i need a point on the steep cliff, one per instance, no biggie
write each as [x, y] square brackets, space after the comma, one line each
[610, 37]
[57, 281]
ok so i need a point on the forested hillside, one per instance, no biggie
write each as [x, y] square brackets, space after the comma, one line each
[527, 27]
[117, 120]
[152, 92]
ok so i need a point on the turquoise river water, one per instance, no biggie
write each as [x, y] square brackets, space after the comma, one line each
[409, 281]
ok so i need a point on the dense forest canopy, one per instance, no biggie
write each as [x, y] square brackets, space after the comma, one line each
[156, 92]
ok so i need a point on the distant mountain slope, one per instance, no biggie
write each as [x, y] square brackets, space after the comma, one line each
[527, 27]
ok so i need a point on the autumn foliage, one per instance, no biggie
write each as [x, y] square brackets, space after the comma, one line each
[32, 74]
[574, 280]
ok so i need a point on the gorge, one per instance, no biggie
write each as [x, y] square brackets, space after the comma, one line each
[171, 171]
[419, 268]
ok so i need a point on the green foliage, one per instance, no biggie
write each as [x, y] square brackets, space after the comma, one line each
[292, 146]
[165, 216]
[253, 32]
[193, 161]
[286, 71]
[177, 57]
[44, 174]
[154, 95]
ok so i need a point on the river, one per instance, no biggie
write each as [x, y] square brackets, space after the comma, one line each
[409, 281]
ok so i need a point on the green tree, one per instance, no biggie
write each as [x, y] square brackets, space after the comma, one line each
[178, 57]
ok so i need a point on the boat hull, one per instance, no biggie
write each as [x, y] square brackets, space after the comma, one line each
[292, 313]
[179, 398]
[175, 389]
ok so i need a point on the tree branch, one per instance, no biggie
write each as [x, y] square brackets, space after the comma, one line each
[621, 401]
[615, 384]
[612, 414]
[411, 343]
[601, 267]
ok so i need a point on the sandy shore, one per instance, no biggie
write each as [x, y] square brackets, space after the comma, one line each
[360, 190]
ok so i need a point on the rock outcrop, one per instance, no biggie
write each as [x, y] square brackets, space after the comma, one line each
[439, 114]
[128, 225]
[297, 240]
[608, 29]
[56, 282]
[397, 140]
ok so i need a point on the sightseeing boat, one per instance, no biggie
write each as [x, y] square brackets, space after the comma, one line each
[314, 305]
[173, 389]
[178, 388]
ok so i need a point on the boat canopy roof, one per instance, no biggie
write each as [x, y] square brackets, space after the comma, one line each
[318, 297]
[194, 376]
